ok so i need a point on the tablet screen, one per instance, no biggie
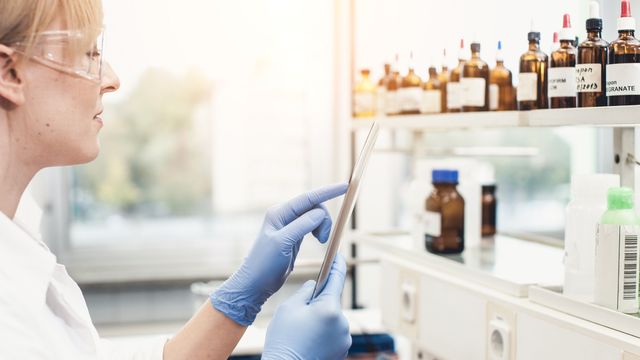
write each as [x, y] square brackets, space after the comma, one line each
[347, 208]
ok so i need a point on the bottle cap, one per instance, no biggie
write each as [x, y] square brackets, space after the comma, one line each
[441, 176]
[499, 56]
[461, 52]
[491, 188]
[475, 47]
[620, 198]
[625, 21]
[566, 33]
[365, 72]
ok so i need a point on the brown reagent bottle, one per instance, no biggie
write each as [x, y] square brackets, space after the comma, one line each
[475, 82]
[489, 210]
[562, 69]
[444, 216]
[410, 92]
[623, 69]
[454, 88]
[532, 79]
[591, 63]
[500, 85]
[443, 77]
[431, 94]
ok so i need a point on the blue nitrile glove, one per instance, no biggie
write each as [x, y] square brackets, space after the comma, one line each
[317, 330]
[271, 259]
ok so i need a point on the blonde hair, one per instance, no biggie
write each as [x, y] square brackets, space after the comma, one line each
[22, 20]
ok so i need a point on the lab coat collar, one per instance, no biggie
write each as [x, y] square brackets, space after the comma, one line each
[26, 264]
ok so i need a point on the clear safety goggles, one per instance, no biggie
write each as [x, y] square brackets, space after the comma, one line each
[69, 52]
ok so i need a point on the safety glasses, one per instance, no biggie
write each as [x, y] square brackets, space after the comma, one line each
[67, 51]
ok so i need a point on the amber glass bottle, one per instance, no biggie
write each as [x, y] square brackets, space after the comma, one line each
[443, 77]
[454, 88]
[431, 94]
[532, 78]
[410, 92]
[489, 210]
[382, 90]
[364, 96]
[500, 85]
[591, 63]
[391, 101]
[444, 216]
[562, 69]
[623, 69]
[475, 82]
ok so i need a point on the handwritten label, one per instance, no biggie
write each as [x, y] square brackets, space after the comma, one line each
[588, 78]
[474, 90]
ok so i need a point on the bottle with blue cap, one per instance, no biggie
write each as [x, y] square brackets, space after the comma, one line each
[444, 215]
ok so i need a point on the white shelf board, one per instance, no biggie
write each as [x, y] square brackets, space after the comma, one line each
[614, 116]
[502, 263]
[477, 120]
[611, 116]
[553, 298]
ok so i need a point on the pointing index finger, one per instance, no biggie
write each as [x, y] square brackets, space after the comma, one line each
[305, 202]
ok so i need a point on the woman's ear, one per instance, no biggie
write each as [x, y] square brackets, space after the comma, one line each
[11, 84]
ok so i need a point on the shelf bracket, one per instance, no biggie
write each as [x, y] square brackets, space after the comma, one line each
[624, 143]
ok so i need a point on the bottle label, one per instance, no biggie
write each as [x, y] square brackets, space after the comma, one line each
[562, 82]
[430, 102]
[474, 91]
[432, 223]
[616, 267]
[381, 96]
[494, 96]
[623, 79]
[454, 99]
[528, 86]
[588, 78]
[410, 98]
[364, 102]
[391, 103]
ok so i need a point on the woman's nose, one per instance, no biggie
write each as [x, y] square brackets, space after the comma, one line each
[110, 81]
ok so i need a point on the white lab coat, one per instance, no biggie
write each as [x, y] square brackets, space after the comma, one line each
[43, 314]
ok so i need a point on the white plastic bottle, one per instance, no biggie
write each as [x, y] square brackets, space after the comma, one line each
[588, 202]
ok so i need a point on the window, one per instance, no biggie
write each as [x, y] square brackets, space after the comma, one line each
[225, 109]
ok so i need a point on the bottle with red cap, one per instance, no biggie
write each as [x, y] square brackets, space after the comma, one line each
[454, 88]
[623, 69]
[475, 82]
[591, 63]
[562, 74]
[443, 77]
[532, 78]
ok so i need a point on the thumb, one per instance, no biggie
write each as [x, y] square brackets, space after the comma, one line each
[304, 293]
[337, 276]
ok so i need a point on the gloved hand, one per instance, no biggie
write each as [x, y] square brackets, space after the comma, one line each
[271, 259]
[317, 330]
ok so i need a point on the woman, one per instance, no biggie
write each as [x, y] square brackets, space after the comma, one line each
[52, 79]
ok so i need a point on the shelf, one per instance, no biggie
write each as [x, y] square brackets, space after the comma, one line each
[502, 263]
[612, 116]
[553, 298]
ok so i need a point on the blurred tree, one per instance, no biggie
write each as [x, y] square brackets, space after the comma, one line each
[155, 159]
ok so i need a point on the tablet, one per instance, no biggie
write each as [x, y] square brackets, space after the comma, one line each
[347, 208]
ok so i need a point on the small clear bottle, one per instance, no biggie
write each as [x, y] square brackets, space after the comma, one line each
[591, 65]
[454, 88]
[623, 69]
[431, 94]
[364, 97]
[562, 69]
[444, 216]
[475, 82]
[532, 78]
